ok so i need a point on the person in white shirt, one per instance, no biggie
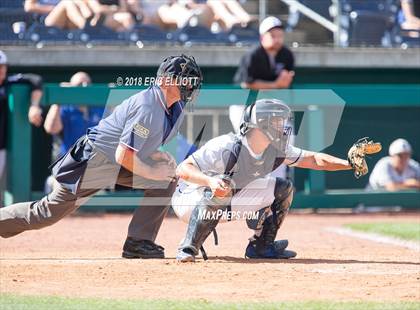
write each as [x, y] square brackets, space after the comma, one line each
[396, 171]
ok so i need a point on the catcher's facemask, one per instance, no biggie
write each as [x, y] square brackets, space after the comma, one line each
[273, 118]
[185, 73]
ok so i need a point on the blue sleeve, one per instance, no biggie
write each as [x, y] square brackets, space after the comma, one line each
[64, 115]
[137, 129]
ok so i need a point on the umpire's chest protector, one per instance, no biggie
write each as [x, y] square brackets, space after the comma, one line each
[249, 168]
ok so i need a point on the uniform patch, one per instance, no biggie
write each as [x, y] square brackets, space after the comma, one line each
[141, 131]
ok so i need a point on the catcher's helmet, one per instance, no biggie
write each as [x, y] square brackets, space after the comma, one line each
[272, 117]
[187, 75]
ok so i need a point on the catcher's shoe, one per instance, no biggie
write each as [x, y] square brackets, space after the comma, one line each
[281, 245]
[272, 251]
[142, 249]
[185, 256]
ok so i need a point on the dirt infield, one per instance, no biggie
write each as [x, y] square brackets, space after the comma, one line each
[80, 256]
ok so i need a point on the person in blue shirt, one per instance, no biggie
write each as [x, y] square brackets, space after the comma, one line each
[122, 149]
[67, 123]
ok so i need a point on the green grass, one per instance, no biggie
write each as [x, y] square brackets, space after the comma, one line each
[17, 302]
[406, 231]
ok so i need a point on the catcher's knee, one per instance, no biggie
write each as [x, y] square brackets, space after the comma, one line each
[283, 193]
[283, 196]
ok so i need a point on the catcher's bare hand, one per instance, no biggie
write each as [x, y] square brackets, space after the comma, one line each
[219, 188]
[357, 153]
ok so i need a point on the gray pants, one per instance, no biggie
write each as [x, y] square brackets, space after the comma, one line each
[99, 174]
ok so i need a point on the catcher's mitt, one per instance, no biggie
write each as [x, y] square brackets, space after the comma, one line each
[356, 155]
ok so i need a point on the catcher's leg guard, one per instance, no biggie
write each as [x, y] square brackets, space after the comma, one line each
[203, 221]
[264, 246]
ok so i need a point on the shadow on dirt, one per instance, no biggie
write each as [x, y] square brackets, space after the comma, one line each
[303, 261]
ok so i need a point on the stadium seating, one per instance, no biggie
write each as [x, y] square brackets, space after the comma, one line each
[371, 5]
[322, 7]
[239, 34]
[367, 23]
[11, 4]
[12, 15]
[7, 36]
[149, 34]
[102, 34]
[194, 35]
[367, 28]
[39, 33]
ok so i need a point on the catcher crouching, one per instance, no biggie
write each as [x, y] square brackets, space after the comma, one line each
[231, 174]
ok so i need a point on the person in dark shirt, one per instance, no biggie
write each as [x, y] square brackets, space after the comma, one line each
[35, 112]
[270, 65]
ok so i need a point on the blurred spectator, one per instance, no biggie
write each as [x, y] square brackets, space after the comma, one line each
[396, 171]
[179, 13]
[270, 65]
[62, 14]
[229, 13]
[409, 18]
[35, 111]
[150, 11]
[42, 7]
[68, 122]
[118, 15]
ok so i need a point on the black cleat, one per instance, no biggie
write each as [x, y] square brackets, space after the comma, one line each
[142, 249]
[280, 245]
[276, 250]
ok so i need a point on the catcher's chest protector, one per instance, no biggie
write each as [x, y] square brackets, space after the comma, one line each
[244, 168]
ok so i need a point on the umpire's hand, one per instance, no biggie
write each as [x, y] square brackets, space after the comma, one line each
[164, 156]
[165, 167]
[163, 171]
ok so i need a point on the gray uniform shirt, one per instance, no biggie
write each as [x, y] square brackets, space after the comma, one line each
[141, 122]
[384, 173]
[212, 157]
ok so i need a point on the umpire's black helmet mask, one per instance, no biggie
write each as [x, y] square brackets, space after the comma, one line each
[185, 73]
[273, 118]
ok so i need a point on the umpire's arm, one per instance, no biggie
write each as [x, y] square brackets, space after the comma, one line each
[127, 157]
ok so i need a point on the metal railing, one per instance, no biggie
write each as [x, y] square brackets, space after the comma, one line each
[334, 27]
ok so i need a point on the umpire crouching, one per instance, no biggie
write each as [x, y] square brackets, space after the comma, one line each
[121, 149]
